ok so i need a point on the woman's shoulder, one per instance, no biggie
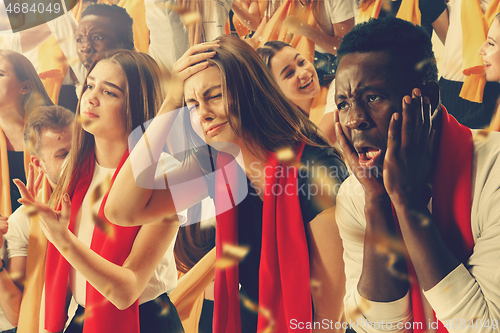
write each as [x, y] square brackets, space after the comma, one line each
[325, 157]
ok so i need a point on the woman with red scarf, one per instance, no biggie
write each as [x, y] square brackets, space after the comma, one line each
[272, 176]
[118, 279]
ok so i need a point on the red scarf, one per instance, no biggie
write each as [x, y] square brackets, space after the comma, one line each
[284, 273]
[100, 314]
[451, 203]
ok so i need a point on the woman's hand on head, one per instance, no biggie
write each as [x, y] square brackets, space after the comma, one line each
[54, 223]
[191, 62]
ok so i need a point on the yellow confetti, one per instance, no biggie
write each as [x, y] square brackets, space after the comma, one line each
[103, 225]
[100, 190]
[420, 65]
[252, 306]
[191, 18]
[31, 144]
[165, 307]
[285, 154]
[18, 278]
[31, 211]
[232, 255]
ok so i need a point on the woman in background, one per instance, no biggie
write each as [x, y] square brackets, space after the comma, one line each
[490, 53]
[297, 78]
[21, 91]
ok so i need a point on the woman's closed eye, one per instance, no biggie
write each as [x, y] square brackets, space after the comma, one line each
[289, 74]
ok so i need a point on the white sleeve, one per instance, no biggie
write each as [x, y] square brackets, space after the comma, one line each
[11, 41]
[64, 29]
[474, 292]
[330, 99]
[18, 234]
[339, 10]
[168, 35]
[364, 315]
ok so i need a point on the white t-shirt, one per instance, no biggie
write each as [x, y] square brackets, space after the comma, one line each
[471, 292]
[215, 18]
[335, 11]
[164, 279]
[16, 240]
[167, 34]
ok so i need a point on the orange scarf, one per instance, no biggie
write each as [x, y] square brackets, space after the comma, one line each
[475, 26]
[189, 294]
[408, 10]
[5, 204]
[35, 270]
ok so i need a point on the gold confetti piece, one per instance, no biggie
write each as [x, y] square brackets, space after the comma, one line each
[232, 255]
[31, 211]
[315, 286]
[252, 306]
[31, 144]
[165, 307]
[191, 18]
[18, 278]
[103, 225]
[420, 65]
[285, 154]
[107, 290]
[175, 8]
[100, 190]
[392, 259]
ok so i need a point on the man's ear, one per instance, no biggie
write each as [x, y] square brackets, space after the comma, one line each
[431, 90]
[35, 160]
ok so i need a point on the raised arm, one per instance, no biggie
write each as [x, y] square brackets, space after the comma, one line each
[327, 268]
[249, 15]
[132, 204]
[121, 285]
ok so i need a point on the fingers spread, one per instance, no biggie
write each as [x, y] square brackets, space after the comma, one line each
[25, 193]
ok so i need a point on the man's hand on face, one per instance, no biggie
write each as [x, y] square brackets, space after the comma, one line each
[368, 177]
[408, 157]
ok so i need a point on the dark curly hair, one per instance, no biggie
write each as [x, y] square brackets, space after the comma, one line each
[408, 46]
[119, 17]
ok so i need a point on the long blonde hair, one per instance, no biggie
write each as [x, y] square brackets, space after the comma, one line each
[25, 72]
[143, 98]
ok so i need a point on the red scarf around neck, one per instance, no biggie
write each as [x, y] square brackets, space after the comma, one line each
[451, 204]
[100, 314]
[284, 273]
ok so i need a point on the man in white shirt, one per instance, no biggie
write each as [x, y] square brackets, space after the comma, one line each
[410, 158]
[47, 134]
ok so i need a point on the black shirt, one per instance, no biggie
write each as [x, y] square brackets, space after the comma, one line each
[317, 163]
[16, 170]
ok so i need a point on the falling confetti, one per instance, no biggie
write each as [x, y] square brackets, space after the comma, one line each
[100, 190]
[285, 154]
[187, 16]
[232, 255]
[103, 225]
[31, 211]
[165, 307]
[31, 144]
[252, 306]
[191, 18]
